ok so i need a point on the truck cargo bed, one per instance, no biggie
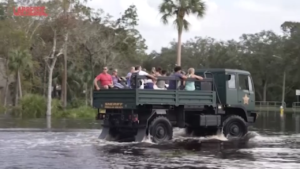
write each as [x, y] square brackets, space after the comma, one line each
[130, 98]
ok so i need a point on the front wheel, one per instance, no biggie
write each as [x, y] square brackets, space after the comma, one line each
[160, 129]
[234, 126]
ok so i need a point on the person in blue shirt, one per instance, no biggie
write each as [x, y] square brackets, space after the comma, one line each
[190, 85]
[116, 80]
[177, 73]
[128, 76]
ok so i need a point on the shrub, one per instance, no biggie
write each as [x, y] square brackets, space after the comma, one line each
[2, 109]
[76, 103]
[35, 106]
[84, 112]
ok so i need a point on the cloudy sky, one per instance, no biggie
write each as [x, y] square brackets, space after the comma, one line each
[224, 19]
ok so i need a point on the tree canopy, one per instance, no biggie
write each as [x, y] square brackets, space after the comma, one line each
[76, 41]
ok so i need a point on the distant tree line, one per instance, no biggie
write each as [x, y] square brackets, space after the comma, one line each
[66, 50]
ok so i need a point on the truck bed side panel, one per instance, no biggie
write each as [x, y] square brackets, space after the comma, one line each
[115, 99]
[196, 98]
[158, 97]
[173, 97]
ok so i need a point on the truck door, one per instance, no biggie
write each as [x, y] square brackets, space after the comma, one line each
[232, 89]
[246, 95]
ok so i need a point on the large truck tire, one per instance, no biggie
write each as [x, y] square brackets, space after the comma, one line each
[235, 126]
[160, 129]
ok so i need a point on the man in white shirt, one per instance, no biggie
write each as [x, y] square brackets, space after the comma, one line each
[146, 83]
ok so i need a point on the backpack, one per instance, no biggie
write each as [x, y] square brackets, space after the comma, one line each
[133, 79]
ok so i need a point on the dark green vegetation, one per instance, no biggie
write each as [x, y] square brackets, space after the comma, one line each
[223, 101]
[180, 9]
[85, 43]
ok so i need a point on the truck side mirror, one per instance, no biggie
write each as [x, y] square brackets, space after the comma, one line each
[228, 77]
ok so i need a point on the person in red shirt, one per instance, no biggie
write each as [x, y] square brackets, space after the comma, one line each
[105, 80]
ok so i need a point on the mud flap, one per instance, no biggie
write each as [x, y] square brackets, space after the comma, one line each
[104, 134]
[140, 135]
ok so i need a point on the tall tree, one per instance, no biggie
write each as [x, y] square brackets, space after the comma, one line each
[180, 9]
[18, 62]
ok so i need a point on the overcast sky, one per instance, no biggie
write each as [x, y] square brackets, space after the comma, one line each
[223, 20]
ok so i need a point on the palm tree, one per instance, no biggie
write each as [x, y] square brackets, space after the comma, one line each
[179, 9]
[18, 62]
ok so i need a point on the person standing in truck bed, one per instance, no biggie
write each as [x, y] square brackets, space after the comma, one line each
[147, 83]
[177, 73]
[190, 85]
[160, 84]
[105, 80]
[128, 76]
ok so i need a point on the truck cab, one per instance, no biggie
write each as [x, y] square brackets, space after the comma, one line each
[224, 100]
[234, 87]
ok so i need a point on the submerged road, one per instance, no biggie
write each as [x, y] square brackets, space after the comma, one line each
[273, 143]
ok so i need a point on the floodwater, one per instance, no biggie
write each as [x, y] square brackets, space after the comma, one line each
[274, 142]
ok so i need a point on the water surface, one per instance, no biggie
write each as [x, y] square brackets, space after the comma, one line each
[274, 143]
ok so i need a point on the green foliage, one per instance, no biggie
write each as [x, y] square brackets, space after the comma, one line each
[179, 9]
[34, 106]
[83, 112]
[96, 39]
[2, 109]
[76, 102]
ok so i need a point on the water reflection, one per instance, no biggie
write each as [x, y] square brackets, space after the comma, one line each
[266, 122]
[55, 123]
[270, 122]
[282, 123]
[297, 118]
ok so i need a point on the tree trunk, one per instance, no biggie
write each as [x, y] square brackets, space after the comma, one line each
[283, 90]
[62, 87]
[49, 96]
[91, 96]
[86, 94]
[44, 80]
[65, 77]
[259, 95]
[20, 85]
[179, 49]
[16, 91]
[5, 94]
[265, 84]
[49, 93]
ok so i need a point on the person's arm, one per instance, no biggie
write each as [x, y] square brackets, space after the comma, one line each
[95, 82]
[119, 79]
[148, 75]
[197, 77]
[128, 75]
[152, 77]
[111, 81]
[183, 77]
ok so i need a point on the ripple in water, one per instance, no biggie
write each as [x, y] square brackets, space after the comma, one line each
[83, 149]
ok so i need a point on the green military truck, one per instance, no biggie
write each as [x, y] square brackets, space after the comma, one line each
[224, 100]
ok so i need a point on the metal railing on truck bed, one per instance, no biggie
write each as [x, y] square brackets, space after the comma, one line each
[131, 98]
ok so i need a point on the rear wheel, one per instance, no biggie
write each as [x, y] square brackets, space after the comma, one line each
[234, 126]
[160, 129]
